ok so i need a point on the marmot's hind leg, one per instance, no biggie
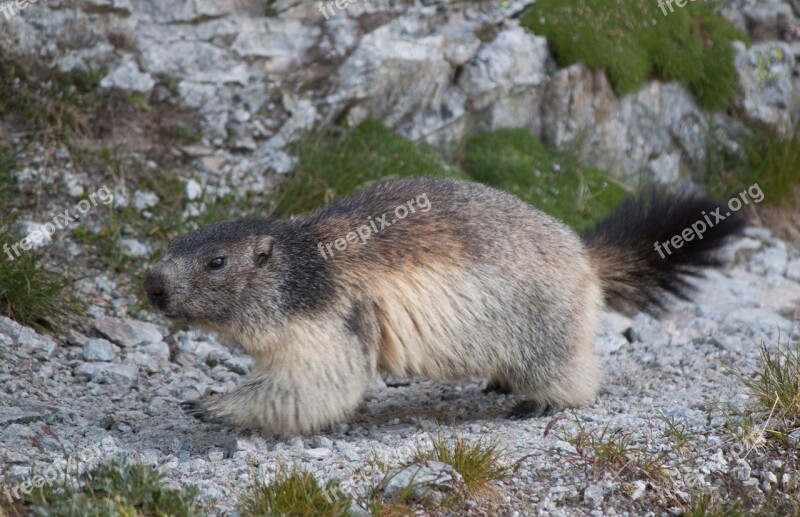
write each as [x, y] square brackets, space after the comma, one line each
[533, 409]
[576, 384]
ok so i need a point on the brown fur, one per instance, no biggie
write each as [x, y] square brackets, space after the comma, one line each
[479, 285]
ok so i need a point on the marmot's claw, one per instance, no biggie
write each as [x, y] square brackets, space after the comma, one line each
[197, 409]
[530, 409]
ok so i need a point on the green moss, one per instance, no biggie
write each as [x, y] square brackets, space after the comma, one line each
[634, 40]
[766, 157]
[116, 488]
[294, 493]
[331, 166]
[514, 160]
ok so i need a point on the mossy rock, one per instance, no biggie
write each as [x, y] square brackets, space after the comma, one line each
[635, 40]
[516, 161]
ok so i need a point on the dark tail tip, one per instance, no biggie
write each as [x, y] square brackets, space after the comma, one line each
[646, 248]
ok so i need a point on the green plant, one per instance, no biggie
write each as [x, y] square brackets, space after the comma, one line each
[516, 161]
[710, 505]
[634, 40]
[118, 487]
[765, 157]
[333, 165]
[294, 493]
[30, 293]
[479, 462]
[605, 450]
[8, 163]
[51, 110]
[776, 389]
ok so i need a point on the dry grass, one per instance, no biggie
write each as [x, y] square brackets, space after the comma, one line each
[603, 450]
[294, 493]
[480, 462]
[775, 387]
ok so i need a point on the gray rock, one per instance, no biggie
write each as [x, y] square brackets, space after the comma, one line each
[793, 270]
[145, 361]
[772, 260]
[610, 343]
[132, 247]
[99, 350]
[142, 200]
[403, 79]
[193, 190]
[159, 351]
[107, 373]
[502, 83]
[20, 415]
[420, 481]
[31, 235]
[647, 329]
[794, 437]
[25, 340]
[753, 322]
[126, 76]
[17, 474]
[317, 453]
[128, 332]
[17, 433]
[280, 43]
[768, 91]
[593, 495]
[742, 470]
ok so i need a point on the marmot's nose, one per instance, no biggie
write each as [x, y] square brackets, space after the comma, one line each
[154, 287]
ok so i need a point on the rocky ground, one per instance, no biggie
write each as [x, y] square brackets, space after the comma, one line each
[180, 105]
[115, 389]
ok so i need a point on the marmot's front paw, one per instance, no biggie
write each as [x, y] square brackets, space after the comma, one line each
[530, 409]
[197, 409]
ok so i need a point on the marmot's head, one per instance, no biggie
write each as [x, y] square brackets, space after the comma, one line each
[219, 276]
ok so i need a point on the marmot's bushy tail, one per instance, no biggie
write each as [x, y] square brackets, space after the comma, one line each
[634, 248]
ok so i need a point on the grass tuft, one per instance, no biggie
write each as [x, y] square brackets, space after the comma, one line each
[776, 389]
[634, 41]
[118, 488]
[604, 450]
[766, 158]
[479, 462]
[516, 161]
[30, 293]
[294, 493]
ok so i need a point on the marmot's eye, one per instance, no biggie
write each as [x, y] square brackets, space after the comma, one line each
[217, 263]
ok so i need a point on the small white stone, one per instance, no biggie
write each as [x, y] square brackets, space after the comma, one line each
[316, 454]
[193, 190]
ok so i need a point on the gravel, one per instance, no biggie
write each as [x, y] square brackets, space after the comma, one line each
[120, 380]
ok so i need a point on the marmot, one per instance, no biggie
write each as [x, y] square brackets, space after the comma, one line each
[432, 278]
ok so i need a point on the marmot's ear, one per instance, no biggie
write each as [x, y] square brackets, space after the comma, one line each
[263, 249]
